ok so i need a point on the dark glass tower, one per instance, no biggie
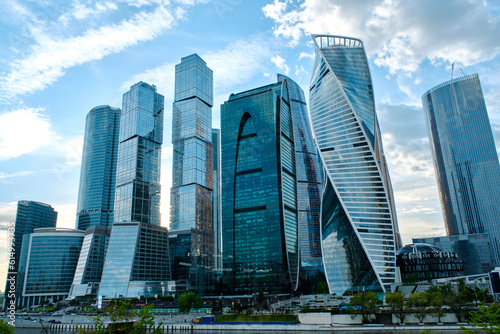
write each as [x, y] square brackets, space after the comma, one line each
[137, 260]
[308, 181]
[192, 171]
[216, 200]
[30, 215]
[358, 217]
[259, 192]
[96, 195]
[465, 158]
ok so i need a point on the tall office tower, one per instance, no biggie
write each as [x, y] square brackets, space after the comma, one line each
[47, 265]
[96, 195]
[359, 226]
[465, 158]
[192, 175]
[137, 260]
[259, 192]
[308, 182]
[139, 156]
[216, 200]
[30, 215]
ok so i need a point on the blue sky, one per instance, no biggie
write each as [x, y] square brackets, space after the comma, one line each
[59, 59]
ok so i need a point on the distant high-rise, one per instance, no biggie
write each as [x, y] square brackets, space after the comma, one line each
[465, 158]
[137, 196]
[137, 260]
[192, 170]
[259, 192]
[359, 226]
[30, 215]
[216, 200]
[96, 195]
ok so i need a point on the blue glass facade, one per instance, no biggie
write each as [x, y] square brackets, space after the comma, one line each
[358, 218]
[30, 215]
[96, 195]
[308, 179]
[216, 200]
[192, 170]
[465, 158]
[50, 264]
[259, 192]
[137, 195]
[137, 261]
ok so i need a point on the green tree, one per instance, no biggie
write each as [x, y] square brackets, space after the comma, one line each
[261, 301]
[189, 300]
[367, 303]
[419, 302]
[396, 301]
[6, 328]
[485, 320]
[322, 288]
[435, 300]
[237, 307]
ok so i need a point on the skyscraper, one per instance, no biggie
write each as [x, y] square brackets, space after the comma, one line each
[259, 192]
[216, 200]
[30, 215]
[308, 181]
[465, 158]
[359, 226]
[139, 156]
[137, 261]
[96, 195]
[192, 175]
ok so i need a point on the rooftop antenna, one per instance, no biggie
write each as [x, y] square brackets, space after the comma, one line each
[452, 66]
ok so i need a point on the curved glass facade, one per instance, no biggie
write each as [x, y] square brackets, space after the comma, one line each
[465, 158]
[96, 195]
[308, 178]
[259, 185]
[358, 219]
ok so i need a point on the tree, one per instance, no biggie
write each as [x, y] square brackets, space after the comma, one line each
[418, 302]
[6, 328]
[322, 288]
[189, 300]
[367, 304]
[435, 300]
[261, 301]
[237, 307]
[396, 301]
[486, 320]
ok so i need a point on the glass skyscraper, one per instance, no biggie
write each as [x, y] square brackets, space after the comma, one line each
[465, 158]
[216, 200]
[96, 195]
[137, 260]
[308, 179]
[358, 218]
[259, 192]
[139, 156]
[48, 264]
[192, 170]
[30, 215]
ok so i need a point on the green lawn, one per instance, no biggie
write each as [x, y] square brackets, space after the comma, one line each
[255, 318]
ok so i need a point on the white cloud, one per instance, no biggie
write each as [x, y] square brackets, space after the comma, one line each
[51, 57]
[399, 35]
[233, 65]
[280, 63]
[23, 131]
[4, 177]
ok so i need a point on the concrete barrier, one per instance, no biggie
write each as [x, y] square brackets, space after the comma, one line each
[316, 318]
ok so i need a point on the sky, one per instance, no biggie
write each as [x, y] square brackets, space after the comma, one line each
[60, 58]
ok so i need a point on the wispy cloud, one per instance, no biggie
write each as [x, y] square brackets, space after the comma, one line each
[399, 35]
[280, 63]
